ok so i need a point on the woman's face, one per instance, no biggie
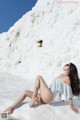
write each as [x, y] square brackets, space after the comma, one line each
[66, 70]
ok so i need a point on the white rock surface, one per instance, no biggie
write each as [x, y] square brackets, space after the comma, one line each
[55, 22]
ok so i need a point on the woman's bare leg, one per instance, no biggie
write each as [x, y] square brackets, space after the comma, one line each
[44, 90]
[45, 93]
[25, 94]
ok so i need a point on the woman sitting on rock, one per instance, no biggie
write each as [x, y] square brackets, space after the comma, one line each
[67, 84]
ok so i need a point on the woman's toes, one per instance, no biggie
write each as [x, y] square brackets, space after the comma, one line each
[9, 110]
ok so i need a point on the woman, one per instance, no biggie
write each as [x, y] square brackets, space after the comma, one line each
[68, 81]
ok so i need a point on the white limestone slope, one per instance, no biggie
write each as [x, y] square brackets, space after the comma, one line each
[55, 22]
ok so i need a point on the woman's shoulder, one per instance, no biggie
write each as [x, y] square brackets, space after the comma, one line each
[67, 80]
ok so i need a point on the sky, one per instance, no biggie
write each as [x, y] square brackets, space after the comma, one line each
[12, 10]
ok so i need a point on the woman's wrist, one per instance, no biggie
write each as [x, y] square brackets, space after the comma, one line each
[74, 109]
[71, 106]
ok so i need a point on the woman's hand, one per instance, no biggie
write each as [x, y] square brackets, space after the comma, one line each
[72, 107]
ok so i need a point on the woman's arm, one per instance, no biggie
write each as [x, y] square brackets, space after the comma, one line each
[72, 106]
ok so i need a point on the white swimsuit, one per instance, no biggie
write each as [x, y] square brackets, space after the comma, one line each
[58, 86]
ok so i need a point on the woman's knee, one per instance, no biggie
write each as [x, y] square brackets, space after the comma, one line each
[39, 76]
[25, 92]
[37, 82]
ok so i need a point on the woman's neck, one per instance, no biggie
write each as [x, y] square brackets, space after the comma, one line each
[63, 74]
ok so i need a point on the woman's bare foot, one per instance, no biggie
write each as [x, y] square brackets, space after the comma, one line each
[33, 102]
[9, 110]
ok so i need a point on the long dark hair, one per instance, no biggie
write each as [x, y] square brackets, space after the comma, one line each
[74, 79]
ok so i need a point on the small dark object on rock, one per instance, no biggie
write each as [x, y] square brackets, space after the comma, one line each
[40, 43]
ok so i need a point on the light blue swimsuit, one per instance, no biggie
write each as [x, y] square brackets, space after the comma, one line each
[58, 86]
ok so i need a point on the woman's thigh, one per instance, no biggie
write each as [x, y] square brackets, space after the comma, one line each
[45, 92]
